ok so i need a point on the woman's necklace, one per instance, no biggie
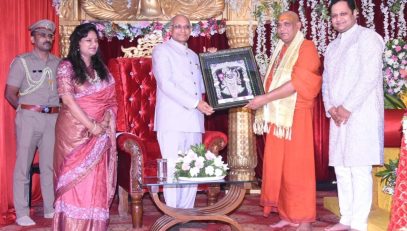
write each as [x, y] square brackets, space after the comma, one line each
[93, 80]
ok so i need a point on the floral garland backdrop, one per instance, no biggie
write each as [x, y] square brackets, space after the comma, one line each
[394, 59]
[315, 19]
[394, 81]
[130, 31]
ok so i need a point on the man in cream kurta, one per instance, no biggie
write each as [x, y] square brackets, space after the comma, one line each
[179, 112]
[353, 97]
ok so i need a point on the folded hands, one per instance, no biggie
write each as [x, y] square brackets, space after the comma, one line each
[339, 115]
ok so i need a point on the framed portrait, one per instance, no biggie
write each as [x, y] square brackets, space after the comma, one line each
[231, 77]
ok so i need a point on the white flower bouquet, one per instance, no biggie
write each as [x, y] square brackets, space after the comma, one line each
[199, 162]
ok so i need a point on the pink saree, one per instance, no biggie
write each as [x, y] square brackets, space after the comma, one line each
[84, 165]
[398, 219]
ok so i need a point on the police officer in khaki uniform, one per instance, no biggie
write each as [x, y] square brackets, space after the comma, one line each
[31, 89]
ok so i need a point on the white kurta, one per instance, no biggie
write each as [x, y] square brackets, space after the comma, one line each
[353, 78]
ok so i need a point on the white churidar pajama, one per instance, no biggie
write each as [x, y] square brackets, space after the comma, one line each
[170, 144]
[355, 193]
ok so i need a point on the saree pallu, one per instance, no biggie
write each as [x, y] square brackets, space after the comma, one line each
[85, 165]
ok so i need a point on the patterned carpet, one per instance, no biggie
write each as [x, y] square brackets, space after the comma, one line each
[249, 215]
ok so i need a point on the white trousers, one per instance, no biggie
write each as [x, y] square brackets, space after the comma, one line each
[171, 143]
[355, 195]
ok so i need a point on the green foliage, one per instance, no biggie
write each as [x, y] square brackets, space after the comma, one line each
[265, 6]
[388, 176]
[395, 7]
[199, 149]
[322, 10]
[393, 102]
[261, 9]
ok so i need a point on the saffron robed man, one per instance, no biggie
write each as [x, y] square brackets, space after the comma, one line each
[31, 89]
[293, 80]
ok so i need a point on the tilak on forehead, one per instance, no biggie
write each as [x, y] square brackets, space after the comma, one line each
[290, 16]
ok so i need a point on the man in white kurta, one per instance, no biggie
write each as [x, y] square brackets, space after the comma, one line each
[179, 111]
[353, 98]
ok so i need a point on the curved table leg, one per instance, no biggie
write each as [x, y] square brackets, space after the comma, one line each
[215, 212]
[164, 223]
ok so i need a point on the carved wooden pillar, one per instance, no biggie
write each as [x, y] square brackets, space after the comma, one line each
[65, 31]
[69, 18]
[242, 156]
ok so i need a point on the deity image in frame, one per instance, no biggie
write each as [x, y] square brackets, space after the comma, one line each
[231, 81]
[231, 77]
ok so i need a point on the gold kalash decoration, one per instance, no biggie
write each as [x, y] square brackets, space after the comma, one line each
[242, 158]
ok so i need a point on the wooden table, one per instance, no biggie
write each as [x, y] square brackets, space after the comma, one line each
[216, 212]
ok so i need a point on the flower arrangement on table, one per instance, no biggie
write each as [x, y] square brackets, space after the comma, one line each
[394, 63]
[198, 162]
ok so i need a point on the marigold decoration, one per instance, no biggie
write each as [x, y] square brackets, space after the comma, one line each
[199, 162]
[121, 31]
[394, 60]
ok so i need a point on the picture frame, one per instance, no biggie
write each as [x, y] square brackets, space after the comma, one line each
[231, 77]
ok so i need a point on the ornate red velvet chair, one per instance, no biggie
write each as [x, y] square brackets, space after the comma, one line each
[137, 146]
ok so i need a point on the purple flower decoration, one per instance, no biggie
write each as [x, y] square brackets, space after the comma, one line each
[393, 64]
[398, 48]
[142, 28]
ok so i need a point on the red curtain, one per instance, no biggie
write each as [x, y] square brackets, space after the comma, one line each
[16, 16]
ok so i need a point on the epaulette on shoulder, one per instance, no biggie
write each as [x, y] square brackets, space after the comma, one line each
[24, 55]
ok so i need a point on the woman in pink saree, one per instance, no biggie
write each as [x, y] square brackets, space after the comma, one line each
[85, 150]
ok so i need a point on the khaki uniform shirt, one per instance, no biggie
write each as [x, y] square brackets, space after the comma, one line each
[47, 93]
